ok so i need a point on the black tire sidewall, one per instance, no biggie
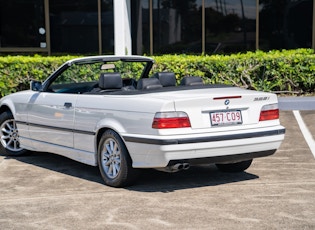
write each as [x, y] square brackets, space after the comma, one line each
[127, 174]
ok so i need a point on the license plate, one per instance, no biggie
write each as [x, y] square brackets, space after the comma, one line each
[226, 117]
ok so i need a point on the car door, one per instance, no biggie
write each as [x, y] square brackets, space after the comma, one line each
[51, 118]
[51, 111]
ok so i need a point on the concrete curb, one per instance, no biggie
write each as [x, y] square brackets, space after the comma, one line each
[296, 103]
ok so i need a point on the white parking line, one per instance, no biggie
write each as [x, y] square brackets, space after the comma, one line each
[306, 133]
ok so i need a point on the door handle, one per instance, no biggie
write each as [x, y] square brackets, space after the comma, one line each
[68, 104]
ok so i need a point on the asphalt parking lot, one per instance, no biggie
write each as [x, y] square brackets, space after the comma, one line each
[46, 191]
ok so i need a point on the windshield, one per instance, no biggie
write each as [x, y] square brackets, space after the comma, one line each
[80, 77]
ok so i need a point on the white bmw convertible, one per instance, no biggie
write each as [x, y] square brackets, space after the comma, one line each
[114, 113]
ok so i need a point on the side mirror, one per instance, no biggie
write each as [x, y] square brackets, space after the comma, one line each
[36, 85]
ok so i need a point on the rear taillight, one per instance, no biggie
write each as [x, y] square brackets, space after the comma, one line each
[170, 120]
[269, 112]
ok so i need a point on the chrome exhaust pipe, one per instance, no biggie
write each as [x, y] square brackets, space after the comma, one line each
[177, 167]
[186, 166]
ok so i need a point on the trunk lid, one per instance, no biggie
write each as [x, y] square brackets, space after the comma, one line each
[220, 107]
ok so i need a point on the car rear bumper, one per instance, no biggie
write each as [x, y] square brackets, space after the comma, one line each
[157, 152]
[224, 159]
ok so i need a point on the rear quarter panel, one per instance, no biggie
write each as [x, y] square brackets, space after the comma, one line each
[132, 114]
[123, 114]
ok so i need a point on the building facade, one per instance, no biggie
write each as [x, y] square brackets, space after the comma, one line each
[154, 27]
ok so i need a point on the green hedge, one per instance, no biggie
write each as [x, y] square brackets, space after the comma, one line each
[286, 71]
[16, 72]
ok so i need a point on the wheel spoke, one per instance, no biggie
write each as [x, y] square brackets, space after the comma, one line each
[106, 155]
[111, 157]
[5, 137]
[5, 131]
[109, 149]
[15, 144]
[110, 169]
[117, 160]
[9, 136]
[111, 143]
[8, 126]
[115, 148]
[9, 143]
[117, 168]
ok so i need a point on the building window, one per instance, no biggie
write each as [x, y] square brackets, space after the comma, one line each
[158, 26]
[74, 26]
[140, 21]
[177, 26]
[107, 22]
[285, 24]
[22, 23]
[230, 25]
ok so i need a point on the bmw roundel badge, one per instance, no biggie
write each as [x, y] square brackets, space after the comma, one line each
[227, 102]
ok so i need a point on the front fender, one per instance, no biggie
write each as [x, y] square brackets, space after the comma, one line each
[17, 103]
[7, 104]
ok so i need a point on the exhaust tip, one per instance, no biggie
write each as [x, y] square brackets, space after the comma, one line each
[178, 166]
[175, 168]
[186, 166]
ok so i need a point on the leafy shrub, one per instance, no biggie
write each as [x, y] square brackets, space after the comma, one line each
[290, 71]
[17, 71]
[275, 71]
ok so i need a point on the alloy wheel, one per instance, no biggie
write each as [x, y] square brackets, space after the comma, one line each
[10, 136]
[111, 158]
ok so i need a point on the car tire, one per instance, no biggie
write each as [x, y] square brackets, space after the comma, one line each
[114, 161]
[9, 136]
[235, 167]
